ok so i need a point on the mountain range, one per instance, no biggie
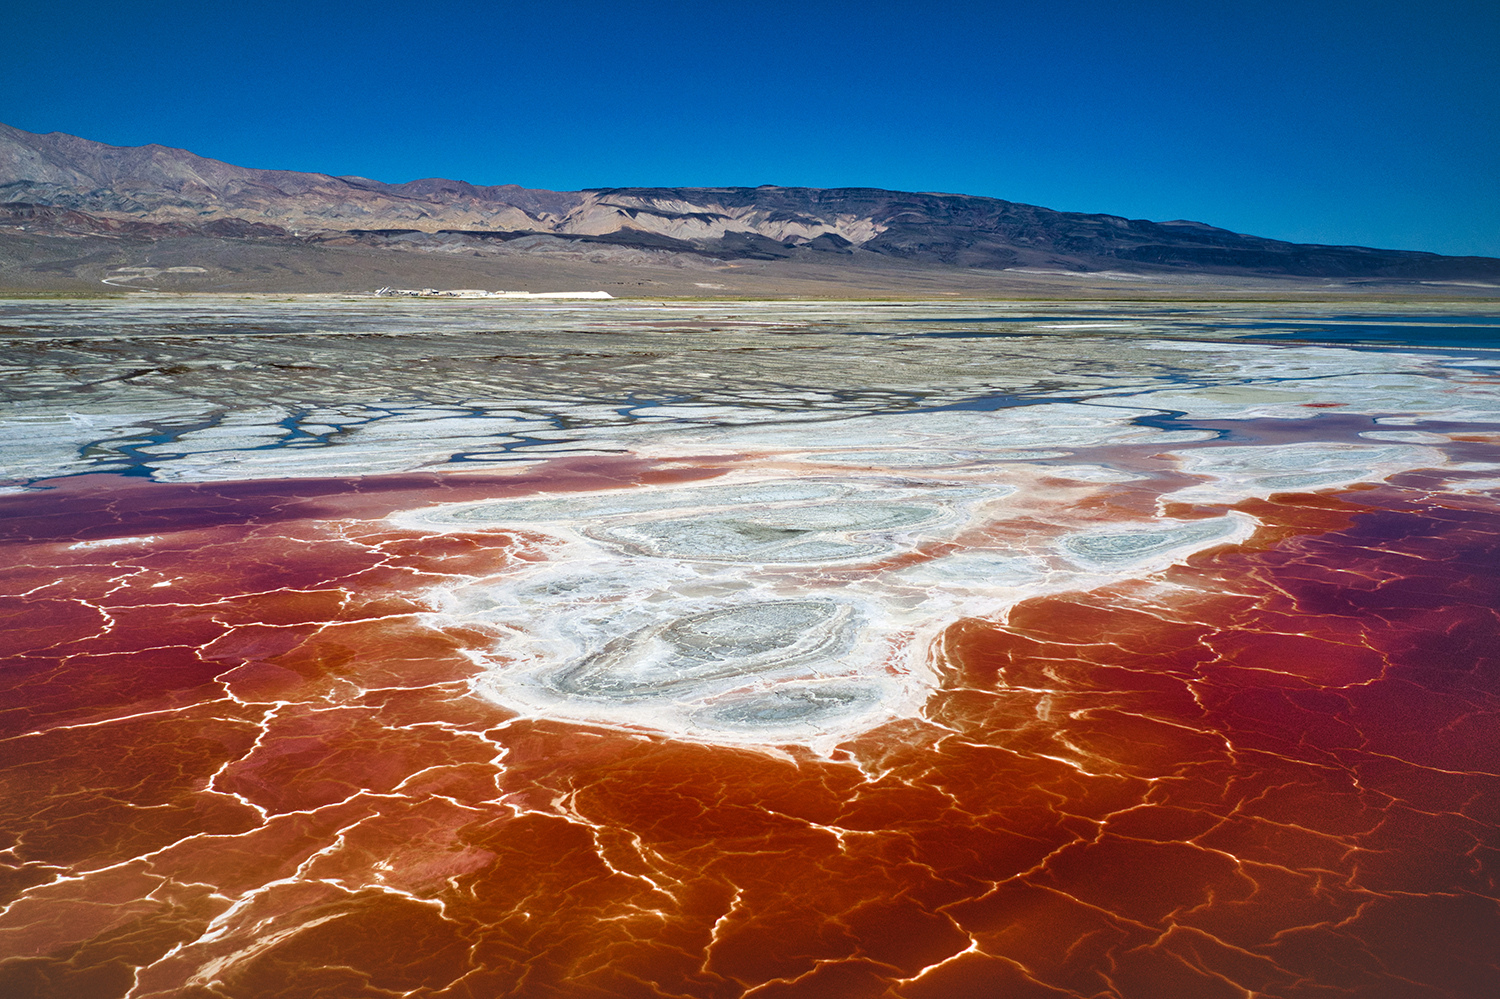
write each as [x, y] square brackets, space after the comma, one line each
[76, 213]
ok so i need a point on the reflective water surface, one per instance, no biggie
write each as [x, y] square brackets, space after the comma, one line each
[775, 649]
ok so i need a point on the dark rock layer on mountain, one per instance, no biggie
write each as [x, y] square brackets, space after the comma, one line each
[62, 186]
[65, 221]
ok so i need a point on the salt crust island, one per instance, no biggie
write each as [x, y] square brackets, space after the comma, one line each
[773, 611]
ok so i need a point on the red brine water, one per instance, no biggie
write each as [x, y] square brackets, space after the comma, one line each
[240, 756]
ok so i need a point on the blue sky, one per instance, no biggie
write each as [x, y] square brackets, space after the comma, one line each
[1374, 123]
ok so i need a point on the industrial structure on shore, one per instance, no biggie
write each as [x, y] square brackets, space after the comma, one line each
[479, 293]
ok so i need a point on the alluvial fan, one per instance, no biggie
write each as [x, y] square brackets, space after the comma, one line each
[1145, 663]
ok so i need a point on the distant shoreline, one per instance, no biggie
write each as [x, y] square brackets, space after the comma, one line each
[1432, 297]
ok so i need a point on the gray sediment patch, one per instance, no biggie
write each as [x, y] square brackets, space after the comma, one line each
[791, 535]
[1112, 549]
[800, 707]
[701, 650]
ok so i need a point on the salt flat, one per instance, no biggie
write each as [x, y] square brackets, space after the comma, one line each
[1141, 635]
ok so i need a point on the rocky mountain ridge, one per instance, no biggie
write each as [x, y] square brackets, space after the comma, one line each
[60, 184]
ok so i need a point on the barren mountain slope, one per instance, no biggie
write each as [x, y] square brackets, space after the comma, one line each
[61, 185]
[160, 184]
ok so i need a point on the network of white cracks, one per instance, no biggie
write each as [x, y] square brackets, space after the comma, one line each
[639, 863]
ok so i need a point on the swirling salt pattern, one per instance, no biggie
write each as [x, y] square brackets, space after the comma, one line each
[698, 652]
[783, 707]
[806, 534]
[765, 614]
[703, 608]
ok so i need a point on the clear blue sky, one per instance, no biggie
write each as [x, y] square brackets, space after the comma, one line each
[1372, 122]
